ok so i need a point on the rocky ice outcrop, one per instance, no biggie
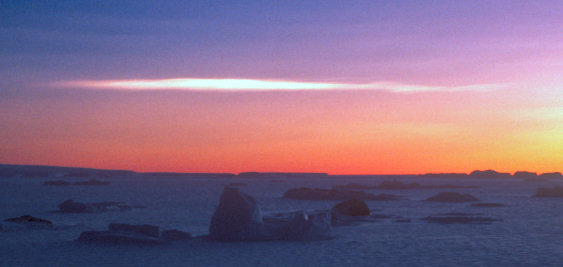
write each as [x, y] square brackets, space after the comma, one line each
[452, 197]
[142, 234]
[351, 207]
[347, 212]
[70, 206]
[28, 221]
[238, 218]
[556, 191]
[305, 193]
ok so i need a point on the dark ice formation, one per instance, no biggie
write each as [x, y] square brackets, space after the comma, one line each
[489, 174]
[305, 193]
[529, 176]
[452, 197]
[281, 174]
[143, 234]
[551, 175]
[351, 207]
[397, 185]
[350, 211]
[7, 170]
[28, 219]
[525, 175]
[556, 191]
[92, 182]
[487, 205]
[443, 175]
[70, 206]
[463, 218]
[56, 183]
[238, 218]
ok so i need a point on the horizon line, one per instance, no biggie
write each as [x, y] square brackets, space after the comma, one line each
[276, 172]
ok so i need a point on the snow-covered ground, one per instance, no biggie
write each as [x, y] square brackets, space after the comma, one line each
[529, 231]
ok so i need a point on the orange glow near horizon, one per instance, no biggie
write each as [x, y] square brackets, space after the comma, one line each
[353, 132]
[374, 87]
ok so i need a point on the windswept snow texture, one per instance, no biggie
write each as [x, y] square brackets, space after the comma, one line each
[524, 231]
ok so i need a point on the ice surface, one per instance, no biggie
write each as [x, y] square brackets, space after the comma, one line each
[530, 233]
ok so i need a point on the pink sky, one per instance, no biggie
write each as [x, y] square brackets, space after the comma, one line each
[364, 88]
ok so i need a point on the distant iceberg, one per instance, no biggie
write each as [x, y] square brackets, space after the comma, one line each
[140, 234]
[556, 191]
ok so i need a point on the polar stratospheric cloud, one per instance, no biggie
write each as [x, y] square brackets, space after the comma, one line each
[260, 85]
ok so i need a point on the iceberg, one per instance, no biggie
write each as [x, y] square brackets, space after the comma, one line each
[239, 218]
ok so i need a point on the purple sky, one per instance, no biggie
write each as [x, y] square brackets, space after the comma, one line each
[466, 76]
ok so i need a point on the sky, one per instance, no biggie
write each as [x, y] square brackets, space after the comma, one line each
[344, 87]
